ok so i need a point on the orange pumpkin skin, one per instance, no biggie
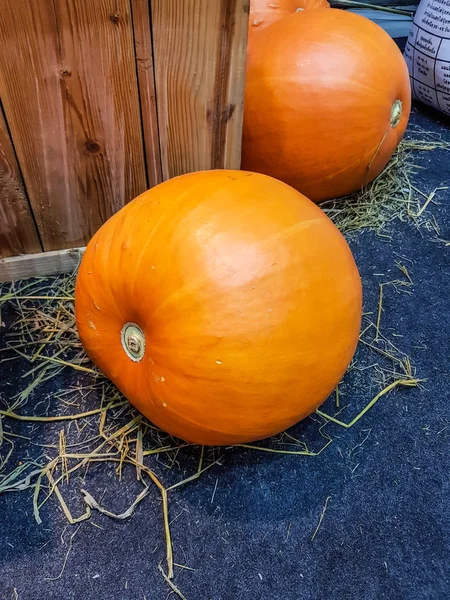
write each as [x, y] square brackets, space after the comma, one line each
[266, 12]
[247, 296]
[327, 101]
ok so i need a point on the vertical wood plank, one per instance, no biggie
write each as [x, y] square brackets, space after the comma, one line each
[199, 51]
[146, 79]
[18, 233]
[69, 89]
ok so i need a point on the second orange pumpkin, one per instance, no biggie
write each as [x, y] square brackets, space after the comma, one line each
[266, 12]
[327, 101]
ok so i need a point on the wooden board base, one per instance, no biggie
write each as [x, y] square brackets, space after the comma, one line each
[40, 265]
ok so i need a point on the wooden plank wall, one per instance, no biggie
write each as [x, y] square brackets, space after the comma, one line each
[200, 48]
[146, 77]
[105, 99]
[18, 233]
[70, 94]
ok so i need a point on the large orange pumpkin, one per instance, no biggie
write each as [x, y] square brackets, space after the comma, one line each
[327, 101]
[265, 12]
[223, 304]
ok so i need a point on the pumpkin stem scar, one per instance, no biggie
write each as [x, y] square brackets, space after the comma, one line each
[133, 341]
[396, 113]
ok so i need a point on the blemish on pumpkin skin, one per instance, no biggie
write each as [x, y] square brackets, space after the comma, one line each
[164, 404]
[213, 344]
[218, 362]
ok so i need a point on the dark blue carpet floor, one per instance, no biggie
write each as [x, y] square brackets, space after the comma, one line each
[246, 527]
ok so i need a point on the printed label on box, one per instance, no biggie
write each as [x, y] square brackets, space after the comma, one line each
[427, 54]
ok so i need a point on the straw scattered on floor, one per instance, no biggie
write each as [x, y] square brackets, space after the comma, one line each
[392, 195]
[114, 434]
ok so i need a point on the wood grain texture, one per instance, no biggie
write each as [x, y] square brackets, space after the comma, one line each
[199, 51]
[146, 79]
[18, 233]
[69, 89]
[40, 265]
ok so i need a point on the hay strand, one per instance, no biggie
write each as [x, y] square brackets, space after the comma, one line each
[388, 388]
[322, 514]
